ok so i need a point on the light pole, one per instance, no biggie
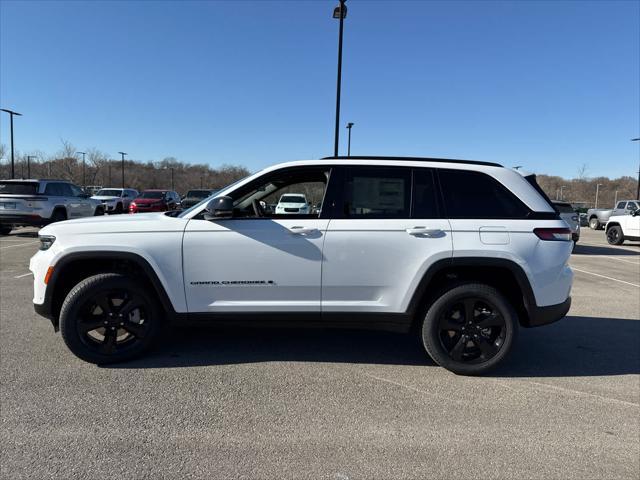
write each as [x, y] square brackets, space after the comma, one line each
[11, 115]
[597, 191]
[123, 154]
[29, 157]
[633, 140]
[83, 169]
[615, 199]
[171, 168]
[562, 187]
[349, 125]
[339, 12]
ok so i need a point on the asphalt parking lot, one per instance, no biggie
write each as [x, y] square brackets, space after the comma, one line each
[338, 405]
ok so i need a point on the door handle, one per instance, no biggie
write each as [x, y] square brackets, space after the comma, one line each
[425, 232]
[298, 230]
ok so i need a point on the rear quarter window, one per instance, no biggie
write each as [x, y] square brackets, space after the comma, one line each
[478, 195]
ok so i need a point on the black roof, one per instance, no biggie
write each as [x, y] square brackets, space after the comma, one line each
[415, 159]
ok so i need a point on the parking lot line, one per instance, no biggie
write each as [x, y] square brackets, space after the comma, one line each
[23, 275]
[604, 276]
[19, 245]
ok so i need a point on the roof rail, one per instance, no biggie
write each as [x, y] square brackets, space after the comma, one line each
[414, 159]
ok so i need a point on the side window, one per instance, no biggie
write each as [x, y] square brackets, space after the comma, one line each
[632, 207]
[371, 192]
[54, 190]
[65, 190]
[290, 193]
[477, 195]
[76, 191]
[424, 198]
[620, 205]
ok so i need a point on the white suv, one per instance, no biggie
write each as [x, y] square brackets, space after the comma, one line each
[293, 203]
[460, 252]
[623, 227]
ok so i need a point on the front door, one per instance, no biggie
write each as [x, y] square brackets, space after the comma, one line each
[259, 261]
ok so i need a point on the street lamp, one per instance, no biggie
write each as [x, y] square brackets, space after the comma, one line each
[339, 12]
[562, 187]
[171, 168]
[29, 157]
[349, 125]
[83, 168]
[633, 140]
[123, 154]
[597, 191]
[11, 115]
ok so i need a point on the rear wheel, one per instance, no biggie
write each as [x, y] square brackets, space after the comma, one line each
[5, 229]
[58, 216]
[470, 329]
[615, 235]
[109, 318]
[99, 211]
[594, 224]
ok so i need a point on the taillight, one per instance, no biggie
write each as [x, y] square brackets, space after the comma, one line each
[554, 234]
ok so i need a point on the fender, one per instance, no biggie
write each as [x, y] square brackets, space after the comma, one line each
[46, 309]
[440, 265]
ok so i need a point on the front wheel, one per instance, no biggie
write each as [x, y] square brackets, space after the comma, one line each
[470, 329]
[594, 224]
[615, 235]
[109, 318]
[5, 229]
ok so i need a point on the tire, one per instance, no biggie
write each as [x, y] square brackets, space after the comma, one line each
[484, 348]
[615, 235]
[5, 229]
[594, 224]
[98, 212]
[119, 208]
[58, 215]
[101, 334]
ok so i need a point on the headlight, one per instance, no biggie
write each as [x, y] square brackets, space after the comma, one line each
[46, 241]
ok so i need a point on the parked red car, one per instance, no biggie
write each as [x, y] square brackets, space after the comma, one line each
[155, 201]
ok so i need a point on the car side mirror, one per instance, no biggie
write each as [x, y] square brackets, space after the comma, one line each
[219, 207]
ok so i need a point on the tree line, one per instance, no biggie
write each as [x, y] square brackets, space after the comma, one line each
[101, 170]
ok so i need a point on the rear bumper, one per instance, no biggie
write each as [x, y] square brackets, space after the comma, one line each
[539, 316]
[31, 220]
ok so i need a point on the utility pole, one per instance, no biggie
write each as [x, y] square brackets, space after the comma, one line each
[349, 126]
[29, 157]
[562, 187]
[84, 183]
[637, 189]
[11, 115]
[123, 154]
[597, 191]
[339, 12]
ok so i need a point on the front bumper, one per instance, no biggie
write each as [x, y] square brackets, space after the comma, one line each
[539, 316]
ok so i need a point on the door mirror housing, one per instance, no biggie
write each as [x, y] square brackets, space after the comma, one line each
[219, 207]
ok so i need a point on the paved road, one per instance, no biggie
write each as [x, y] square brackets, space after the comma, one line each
[311, 404]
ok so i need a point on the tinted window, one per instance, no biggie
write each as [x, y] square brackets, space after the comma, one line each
[151, 195]
[292, 199]
[76, 191]
[108, 193]
[632, 206]
[621, 205]
[476, 195]
[424, 194]
[377, 192]
[55, 190]
[564, 207]
[19, 188]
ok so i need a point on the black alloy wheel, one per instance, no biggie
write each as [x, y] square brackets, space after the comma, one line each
[469, 329]
[614, 235]
[109, 318]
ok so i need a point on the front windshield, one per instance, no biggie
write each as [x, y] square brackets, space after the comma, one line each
[292, 199]
[108, 193]
[198, 194]
[213, 195]
[150, 195]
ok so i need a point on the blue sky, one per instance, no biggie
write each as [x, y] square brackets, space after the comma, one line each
[549, 85]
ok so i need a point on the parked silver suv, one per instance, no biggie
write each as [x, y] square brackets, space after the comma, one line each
[40, 202]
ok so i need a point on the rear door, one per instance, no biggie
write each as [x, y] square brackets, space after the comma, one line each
[620, 209]
[384, 233]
